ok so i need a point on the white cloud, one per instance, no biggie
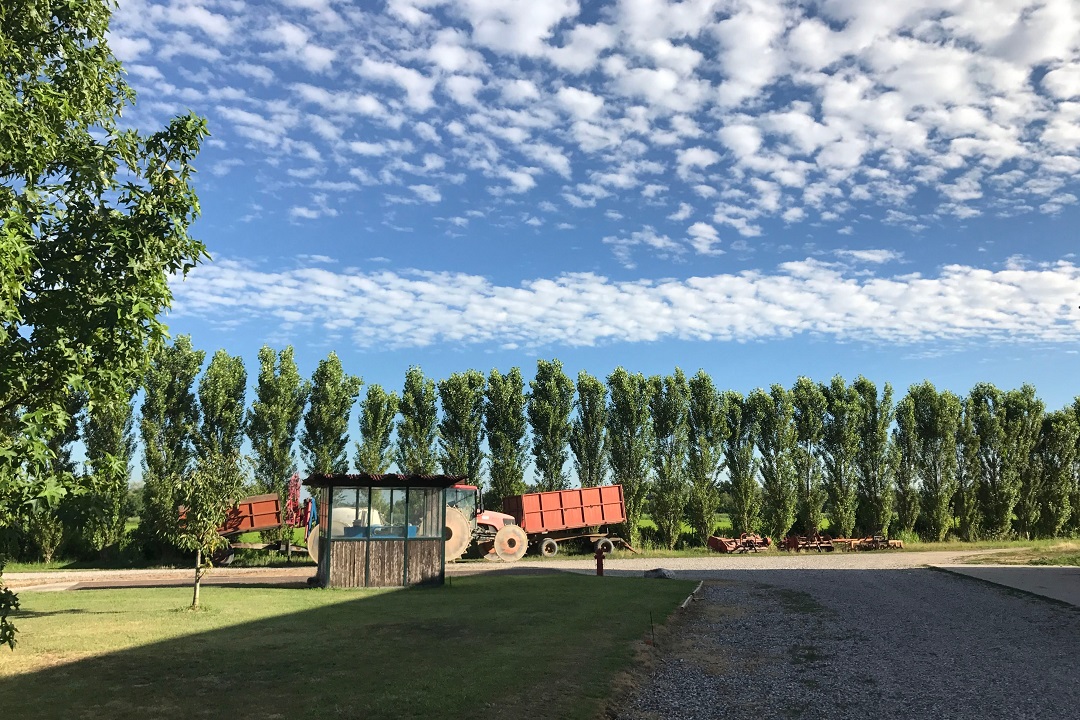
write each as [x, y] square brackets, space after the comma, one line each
[694, 158]
[871, 256]
[647, 237]
[704, 238]
[414, 308]
[685, 210]
[427, 193]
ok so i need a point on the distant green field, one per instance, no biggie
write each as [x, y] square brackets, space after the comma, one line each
[540, 646]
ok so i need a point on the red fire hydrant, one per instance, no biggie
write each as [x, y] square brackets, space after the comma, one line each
[599, 561]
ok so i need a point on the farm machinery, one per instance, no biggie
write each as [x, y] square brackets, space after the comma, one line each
[541, 521]
[257, 513]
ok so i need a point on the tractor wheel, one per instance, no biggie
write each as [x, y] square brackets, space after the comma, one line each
[511, 542]
[604, 544]
[313, 544]
[224, 556]
[457, 533]
[549, 548]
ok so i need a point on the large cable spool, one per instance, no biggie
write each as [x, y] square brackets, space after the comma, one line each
[458, 533]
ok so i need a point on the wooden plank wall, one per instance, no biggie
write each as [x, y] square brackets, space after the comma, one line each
[347, 562]
[386, 563]
[425, 562]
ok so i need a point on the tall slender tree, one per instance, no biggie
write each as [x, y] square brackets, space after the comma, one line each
[548, 406]
[222, 392]
[588, 431]
[809, 405]
[169, 427]
[777, 442]
[108, 434]
[839, 448]
[668, 406]
[630, 442]
[1056, 463]
[936, 418]
[903, 460]
[274, 418]
[1074, 501]
[705, 435]
[740, 462]
[1006, 428]
[1024, 414]
[875, 485]
[504, 422]
[374, 454]
[417, 431]
[325, 438]
[461, 430]
[968, 475]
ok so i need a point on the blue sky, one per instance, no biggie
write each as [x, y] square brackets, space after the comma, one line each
[756, 188]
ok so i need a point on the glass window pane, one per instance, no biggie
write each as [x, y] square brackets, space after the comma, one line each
[349, 517]
[425, 512]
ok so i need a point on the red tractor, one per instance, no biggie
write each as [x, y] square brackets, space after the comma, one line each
[496, 534]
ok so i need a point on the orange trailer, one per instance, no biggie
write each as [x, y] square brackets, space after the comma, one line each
[550, 518]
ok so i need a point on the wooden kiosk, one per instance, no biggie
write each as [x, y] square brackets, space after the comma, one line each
[380, 530]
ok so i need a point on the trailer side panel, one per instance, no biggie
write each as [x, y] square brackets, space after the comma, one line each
[567, 509]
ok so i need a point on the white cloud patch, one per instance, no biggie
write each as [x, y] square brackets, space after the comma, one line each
[417, 308]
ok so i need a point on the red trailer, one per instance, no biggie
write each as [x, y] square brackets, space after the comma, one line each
[581, 514]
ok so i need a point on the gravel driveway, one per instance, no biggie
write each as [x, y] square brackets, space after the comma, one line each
[874, 643]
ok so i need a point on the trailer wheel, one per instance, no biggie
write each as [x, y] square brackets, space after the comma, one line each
[549, 548]
[605, 545]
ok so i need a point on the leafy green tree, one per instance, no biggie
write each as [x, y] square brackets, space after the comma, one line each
[839, 449]
[273, 420]
[168, 426]
[548, 406]
[740, 462]
[903, 460]
[875, 485]
[206, 495]
[630, 442]
[668, 406]
[504, 423]
[587, 431]
[1006, 426]
[1024, 418]
[1074, 500]
[377, 410]
[936, 417]
[93, 222]
[325, 437]
[1056, 461]
[777, 442]
[461, 430]
[808, 406]
[968, 475]
[222, 392]
[108, 434]
[417, 430]
[705, 433]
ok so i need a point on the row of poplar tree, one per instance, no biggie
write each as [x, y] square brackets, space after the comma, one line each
[991, 464]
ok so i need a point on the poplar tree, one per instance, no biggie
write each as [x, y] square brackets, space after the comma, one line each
[222, 392]
[1056, 462]
[325, 439]
[461, 430]
[274, 419]
[808, 406]
[1074, 500]
[629, 442]
[588, 431]
[417, 431]
[968, 475]
[169, 426]
[377, 410]
[548, 406]
[108, 434]
[504, 422]
[903, 459]
[668, 405]
[1006, 428]
[705, 435]
[740, 462]
[937, 417]
[1024, 419]
[875, 484]
[776, 440]
[839, 449]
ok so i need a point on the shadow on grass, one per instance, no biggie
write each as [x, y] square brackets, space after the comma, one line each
[545, 647]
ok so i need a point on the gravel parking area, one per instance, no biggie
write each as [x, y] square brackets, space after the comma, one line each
[907, 643]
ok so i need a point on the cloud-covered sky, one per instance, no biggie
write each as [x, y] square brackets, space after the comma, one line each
[759, 188]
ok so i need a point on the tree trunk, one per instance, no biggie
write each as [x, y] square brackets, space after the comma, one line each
[198, 579]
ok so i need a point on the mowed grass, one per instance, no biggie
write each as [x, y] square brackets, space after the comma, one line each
[543, 646]
[1044, 552]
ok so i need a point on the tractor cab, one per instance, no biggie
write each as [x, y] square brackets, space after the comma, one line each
[470, 501]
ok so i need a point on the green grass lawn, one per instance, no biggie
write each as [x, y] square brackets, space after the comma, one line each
[545, 646]
[1039, 552]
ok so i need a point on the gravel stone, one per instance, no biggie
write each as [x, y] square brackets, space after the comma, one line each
[877, 643]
